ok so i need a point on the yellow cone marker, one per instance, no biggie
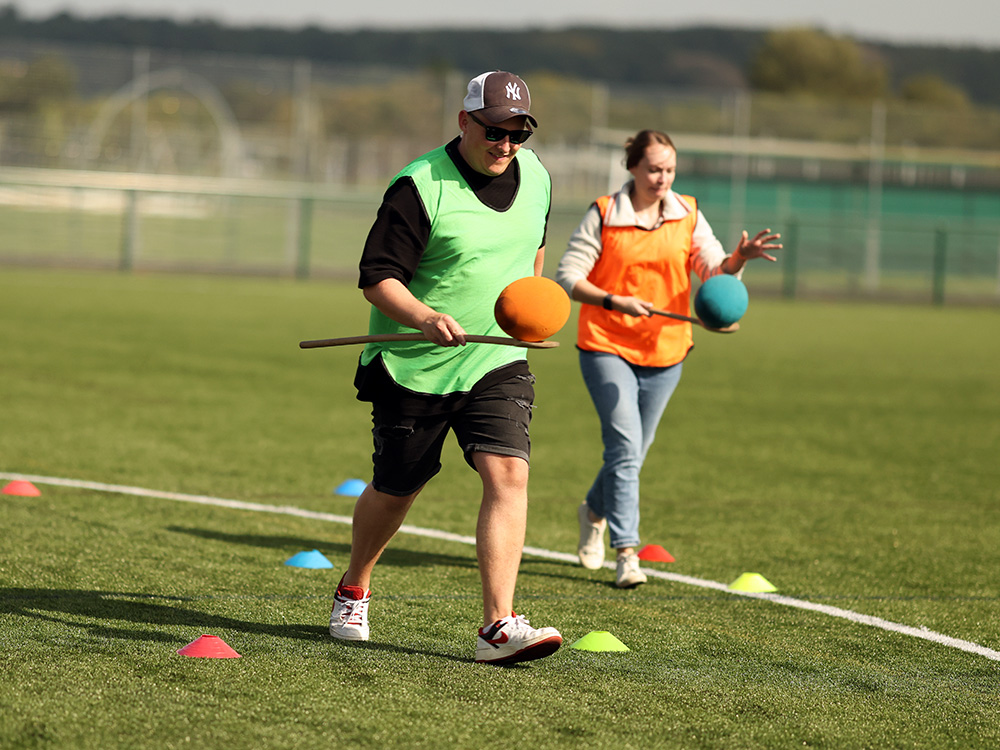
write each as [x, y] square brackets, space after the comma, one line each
[753, 583]
[599, 640]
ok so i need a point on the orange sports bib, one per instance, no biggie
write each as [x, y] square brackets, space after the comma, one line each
[654, 265]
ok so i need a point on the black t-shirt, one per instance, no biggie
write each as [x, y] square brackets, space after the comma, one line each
[398, 238]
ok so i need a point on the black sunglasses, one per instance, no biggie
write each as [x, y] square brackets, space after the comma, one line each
[494, 134]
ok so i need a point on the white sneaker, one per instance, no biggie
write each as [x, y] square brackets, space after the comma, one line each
[349, 616]
[512, 640]
[591, 549]
[628, 572]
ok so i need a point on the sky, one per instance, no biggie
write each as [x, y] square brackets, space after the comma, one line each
[953, 23]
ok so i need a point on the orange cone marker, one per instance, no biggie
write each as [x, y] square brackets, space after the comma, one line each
[22, 488]
[208, 647]
[655, 553]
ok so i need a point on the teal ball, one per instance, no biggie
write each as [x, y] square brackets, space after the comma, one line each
[721, 301]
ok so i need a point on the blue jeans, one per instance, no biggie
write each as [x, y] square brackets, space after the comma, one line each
[630, 400]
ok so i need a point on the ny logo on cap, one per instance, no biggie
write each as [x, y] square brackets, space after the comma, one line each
[513, 91]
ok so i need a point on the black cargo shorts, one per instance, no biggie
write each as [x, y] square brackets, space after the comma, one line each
[409, 428]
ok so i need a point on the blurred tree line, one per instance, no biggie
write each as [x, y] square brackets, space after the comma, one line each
[699, 57]
[806, 84]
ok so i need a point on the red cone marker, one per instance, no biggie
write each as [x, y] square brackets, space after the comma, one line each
[208, 647]
[22, 488]
[655, 553]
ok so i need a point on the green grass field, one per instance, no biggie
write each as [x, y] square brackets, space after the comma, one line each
[845, 452]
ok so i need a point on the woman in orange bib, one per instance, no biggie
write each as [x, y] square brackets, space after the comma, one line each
[634, 252]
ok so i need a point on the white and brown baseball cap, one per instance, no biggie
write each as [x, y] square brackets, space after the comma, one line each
[498, 96]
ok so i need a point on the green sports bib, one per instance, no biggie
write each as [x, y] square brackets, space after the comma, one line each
[473, 253]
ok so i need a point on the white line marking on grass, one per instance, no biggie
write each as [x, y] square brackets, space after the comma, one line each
[845, 614]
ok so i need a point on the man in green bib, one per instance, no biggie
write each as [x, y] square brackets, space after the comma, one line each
[455, 227]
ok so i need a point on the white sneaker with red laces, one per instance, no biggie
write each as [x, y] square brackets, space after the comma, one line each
[512, 639]
[349, 616]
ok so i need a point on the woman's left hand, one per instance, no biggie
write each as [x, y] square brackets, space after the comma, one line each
[757, 247]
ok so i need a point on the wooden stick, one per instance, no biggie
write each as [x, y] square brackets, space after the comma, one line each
[420, 337]
[697, 321]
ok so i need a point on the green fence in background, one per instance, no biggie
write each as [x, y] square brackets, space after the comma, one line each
[931, 245]
[918, 243]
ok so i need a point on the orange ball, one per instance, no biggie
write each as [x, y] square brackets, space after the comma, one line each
[532, 308]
